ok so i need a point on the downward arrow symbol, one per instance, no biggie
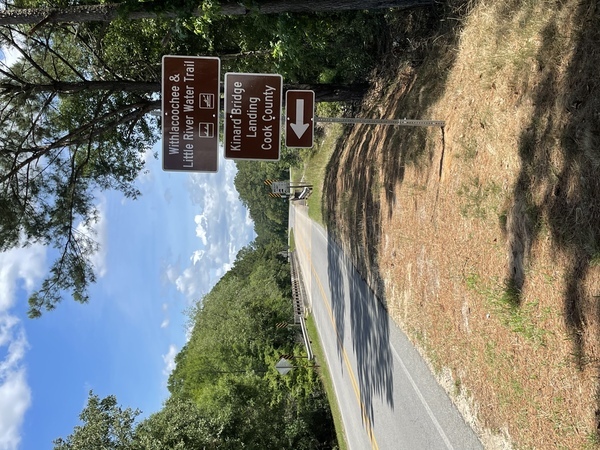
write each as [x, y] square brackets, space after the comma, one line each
[299, 127]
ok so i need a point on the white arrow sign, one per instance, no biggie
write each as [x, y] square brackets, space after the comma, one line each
[299, 123]
[299, 127]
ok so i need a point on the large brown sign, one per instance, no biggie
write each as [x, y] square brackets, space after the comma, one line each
[299, 118]
[253, 116]
[190, 113]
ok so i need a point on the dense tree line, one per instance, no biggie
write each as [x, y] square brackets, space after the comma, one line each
[270, 215]
[225, 391]
[31, 12]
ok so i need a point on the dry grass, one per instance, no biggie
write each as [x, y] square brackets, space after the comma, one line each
[484, 238]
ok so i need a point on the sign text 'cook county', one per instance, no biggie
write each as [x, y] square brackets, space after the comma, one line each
[253, 116]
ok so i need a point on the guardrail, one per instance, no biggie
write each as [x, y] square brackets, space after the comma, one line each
[298, 296]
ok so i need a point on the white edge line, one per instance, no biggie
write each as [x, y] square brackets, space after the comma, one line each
[423, 401]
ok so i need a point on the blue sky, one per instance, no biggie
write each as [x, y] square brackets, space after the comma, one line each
[158, 254]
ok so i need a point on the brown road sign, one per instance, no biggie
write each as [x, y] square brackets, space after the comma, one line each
[253, 116]
[190, 113]
[299, 118]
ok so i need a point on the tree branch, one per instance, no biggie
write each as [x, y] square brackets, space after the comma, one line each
[77, 137]
[31, 61]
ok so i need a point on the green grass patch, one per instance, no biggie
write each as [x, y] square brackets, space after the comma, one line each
[327, 383]
[314, 170]
[504, 300]
[291, 241]
[479, 199]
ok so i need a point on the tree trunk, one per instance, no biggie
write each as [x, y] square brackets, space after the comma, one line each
[148, 10]
[67, 87]
[332, 92]
[323, 92]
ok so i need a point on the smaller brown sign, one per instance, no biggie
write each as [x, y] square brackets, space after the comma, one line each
[299, 118]
[253, 116]
[190, 113]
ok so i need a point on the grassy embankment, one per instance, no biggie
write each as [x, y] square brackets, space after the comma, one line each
[313, 170]
[484, 237]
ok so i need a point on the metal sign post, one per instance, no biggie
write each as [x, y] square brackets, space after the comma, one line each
[397, 122]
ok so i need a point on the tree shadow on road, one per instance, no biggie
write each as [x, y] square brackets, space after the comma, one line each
[352, 206]
[368, 328]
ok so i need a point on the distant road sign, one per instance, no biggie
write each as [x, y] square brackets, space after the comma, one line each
[283, 366]
[190, 113]
[299, 118]
[253, 116]
[280, 187]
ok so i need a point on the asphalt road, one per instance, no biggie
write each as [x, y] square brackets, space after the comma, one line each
[388, 396]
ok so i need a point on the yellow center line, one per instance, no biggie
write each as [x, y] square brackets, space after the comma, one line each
[353, 380]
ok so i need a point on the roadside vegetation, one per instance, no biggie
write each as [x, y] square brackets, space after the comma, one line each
[327, 381]
[483, 237]
[225, 392]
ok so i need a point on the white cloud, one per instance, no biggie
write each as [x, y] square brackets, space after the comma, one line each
[19, 267]
[8, 55]
[98, 232]
[201, 225]
[193, 281]
[171, 273]
[197, 256]
[169, 360]
[15, 399]
[223, 227]
[248, 221]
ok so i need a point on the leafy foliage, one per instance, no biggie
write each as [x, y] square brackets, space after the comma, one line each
[269, 215]
[56, 148]
[335, 47]
[105, 425]
[180, 425]
[227, 366]
[225, 391]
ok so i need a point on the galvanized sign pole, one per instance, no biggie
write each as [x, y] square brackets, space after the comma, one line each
[397, 122]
